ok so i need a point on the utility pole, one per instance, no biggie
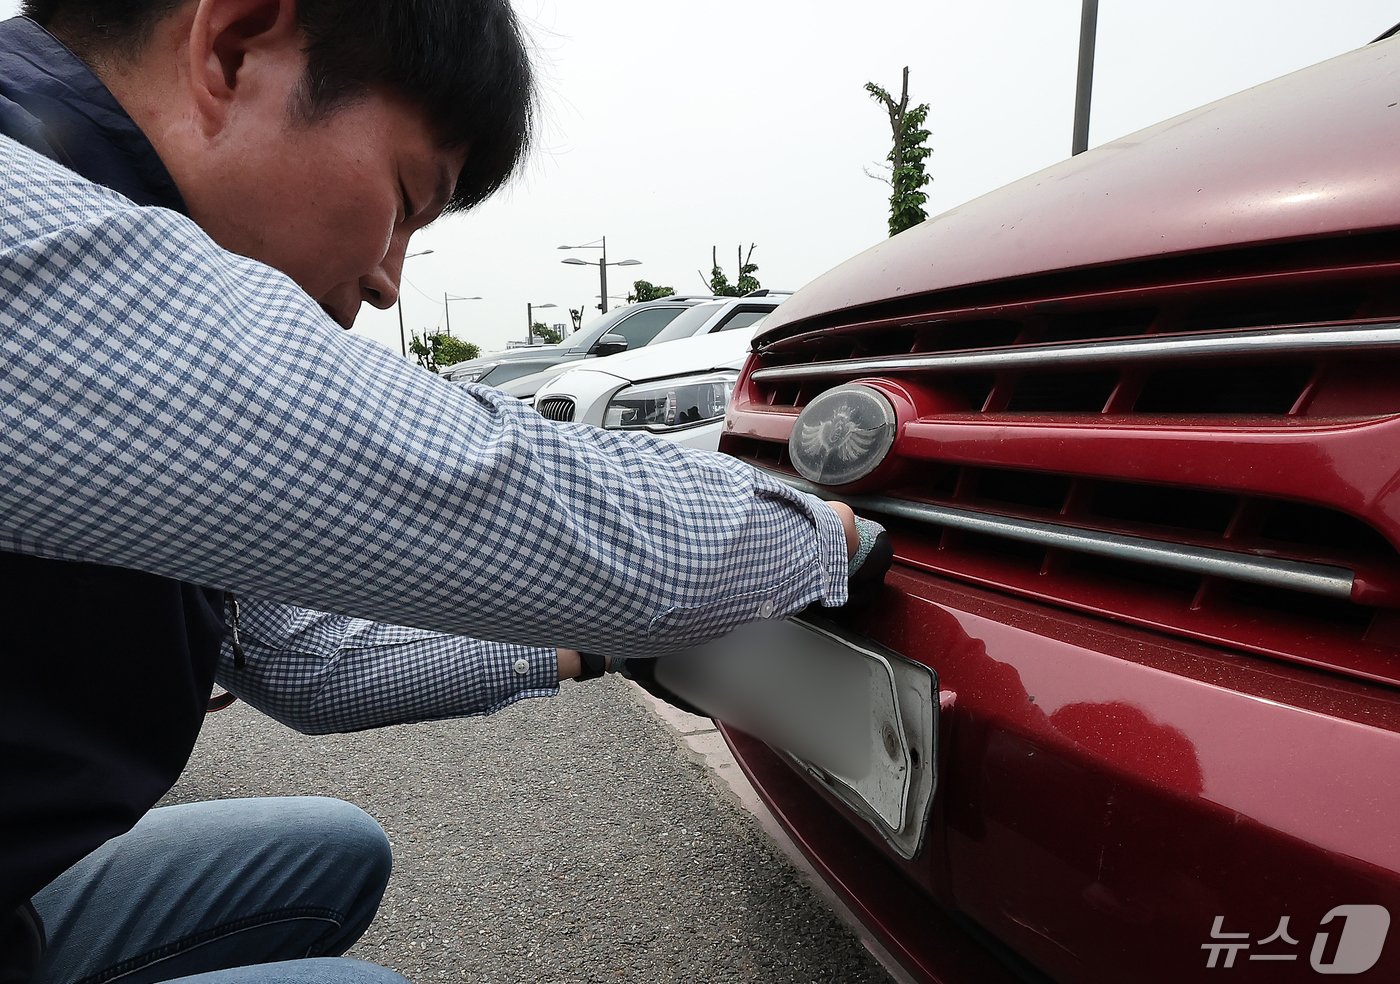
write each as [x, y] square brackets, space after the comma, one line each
[398, 302]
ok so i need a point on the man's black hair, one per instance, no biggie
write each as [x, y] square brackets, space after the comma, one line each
[463, 62]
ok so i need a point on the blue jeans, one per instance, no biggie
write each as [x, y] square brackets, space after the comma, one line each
[202, 892]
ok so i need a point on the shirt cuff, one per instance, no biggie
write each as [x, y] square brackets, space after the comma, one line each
[528, 671]
[833, 551]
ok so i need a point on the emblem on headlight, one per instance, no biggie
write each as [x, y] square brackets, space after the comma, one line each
[842, 435]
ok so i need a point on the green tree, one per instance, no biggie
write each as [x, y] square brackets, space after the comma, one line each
[908, 151]
[441, 349]
[718, 282]
[451, 350]
[546, 334]
[645, 290]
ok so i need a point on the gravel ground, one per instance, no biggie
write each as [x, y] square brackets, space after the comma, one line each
[559, 840]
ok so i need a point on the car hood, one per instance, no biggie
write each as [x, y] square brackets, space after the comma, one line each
[1227, 174]
[718, 350]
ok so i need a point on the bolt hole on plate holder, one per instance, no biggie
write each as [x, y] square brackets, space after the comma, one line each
[858, 718]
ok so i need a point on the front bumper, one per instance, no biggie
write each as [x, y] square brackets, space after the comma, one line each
[1106, 793]
[932, 945]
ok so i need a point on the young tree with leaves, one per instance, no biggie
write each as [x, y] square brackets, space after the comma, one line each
[719, 283]
[908, 151]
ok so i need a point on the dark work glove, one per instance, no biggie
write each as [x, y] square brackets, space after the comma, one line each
[870, 563]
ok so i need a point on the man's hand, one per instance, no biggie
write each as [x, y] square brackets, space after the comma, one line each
[870, 560]
[870, 553]
[570, 664]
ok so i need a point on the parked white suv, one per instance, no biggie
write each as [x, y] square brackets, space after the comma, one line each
[702, 318]
[678, 390]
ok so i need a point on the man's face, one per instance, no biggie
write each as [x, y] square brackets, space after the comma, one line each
[331, 203]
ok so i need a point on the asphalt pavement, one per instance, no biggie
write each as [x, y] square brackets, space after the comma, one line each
[574, 839]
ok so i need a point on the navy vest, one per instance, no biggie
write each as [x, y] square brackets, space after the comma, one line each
[104, 672]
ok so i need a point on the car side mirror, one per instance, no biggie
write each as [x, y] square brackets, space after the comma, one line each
[610, 344]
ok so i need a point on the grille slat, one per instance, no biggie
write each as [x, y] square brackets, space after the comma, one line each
[1175, 455]
[1318, 579]
[1314, 342]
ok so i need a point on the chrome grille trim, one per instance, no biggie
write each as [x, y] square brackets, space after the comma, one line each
[1077, 355]
[559, 408]
[1317, 579]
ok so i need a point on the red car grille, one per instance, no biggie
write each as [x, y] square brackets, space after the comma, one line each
[1208, 453]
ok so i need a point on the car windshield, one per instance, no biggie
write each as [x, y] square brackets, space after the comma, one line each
[640, 327]
[688, 323]
[743, 319]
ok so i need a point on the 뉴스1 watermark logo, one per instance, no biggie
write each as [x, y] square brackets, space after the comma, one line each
[1348, 941]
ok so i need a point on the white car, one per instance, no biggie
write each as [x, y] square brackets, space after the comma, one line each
[678, 390]
[708, 316]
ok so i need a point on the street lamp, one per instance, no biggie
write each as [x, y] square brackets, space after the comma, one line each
[1084, 83]
[530, 320]
[398, 301]
[602, 266]
[447, 308]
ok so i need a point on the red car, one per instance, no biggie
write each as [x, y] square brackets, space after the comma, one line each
[1134, 424]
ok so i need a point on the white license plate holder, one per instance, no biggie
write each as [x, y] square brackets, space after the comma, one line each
[858, 718]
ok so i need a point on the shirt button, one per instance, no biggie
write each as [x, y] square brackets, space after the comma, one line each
[766, 609]
[522, 666]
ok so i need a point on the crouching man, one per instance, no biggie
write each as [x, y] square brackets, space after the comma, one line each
[201, 475]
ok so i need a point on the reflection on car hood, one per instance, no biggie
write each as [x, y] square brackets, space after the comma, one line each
[1221, 176]
[718, 350]
[507, 355]
[524, 386]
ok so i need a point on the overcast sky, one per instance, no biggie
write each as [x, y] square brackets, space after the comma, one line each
[671, 128]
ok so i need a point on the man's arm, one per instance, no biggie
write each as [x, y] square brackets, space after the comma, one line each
[170, 407]
[322, 673]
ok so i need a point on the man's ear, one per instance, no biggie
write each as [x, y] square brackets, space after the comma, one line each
[241, 49]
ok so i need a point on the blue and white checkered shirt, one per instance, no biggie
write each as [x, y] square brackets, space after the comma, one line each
[171, 407]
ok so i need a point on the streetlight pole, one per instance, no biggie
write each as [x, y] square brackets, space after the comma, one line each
[530, 320]
[603, 277]
[1084, 82]
[398, 302]
[447, 308]
[602, 265]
